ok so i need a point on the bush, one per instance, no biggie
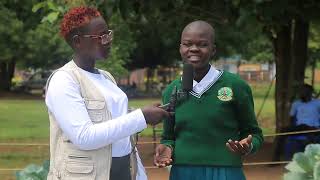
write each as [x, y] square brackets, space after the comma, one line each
[34, 172]
[305, 165]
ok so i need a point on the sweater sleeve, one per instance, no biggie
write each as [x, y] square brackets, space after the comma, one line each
[247, 120]
[168, 136]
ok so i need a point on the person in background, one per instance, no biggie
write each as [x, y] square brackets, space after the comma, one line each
[304, 115]
[306, 110]
[215, 126]
[90, 126]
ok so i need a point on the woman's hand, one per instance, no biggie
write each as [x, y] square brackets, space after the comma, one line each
[163, 156]
[243, 147]
[153, 114]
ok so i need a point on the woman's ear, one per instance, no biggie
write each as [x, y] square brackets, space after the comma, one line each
[75, 41]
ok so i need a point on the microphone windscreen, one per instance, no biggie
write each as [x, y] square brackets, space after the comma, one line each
[187, 77]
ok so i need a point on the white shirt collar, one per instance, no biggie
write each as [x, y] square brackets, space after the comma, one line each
[211, 76]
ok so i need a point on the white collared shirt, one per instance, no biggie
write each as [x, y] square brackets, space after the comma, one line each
[212, 75]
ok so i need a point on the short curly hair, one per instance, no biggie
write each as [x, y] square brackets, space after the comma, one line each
[76, 18]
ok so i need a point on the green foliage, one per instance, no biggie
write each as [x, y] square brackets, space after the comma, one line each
[154, 28]
[163, 21]
[46, 48]
[34, 172]
[55, 11]
[16, 20]
[122, 46]
[274, 14]
[147, 33]
[11, 31]
[314, 42]
[260, 50]
[305, 165]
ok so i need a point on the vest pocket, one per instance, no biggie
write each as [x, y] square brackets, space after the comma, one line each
[79, 170]
[96, 110]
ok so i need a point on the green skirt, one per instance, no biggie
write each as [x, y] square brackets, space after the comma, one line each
[179, 172]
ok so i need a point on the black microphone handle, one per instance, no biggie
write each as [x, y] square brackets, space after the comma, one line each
[187, 77]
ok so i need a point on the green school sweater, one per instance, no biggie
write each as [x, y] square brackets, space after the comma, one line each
[205, 122]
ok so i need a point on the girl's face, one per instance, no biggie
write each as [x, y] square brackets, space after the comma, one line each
[196, 47]
[95, 41]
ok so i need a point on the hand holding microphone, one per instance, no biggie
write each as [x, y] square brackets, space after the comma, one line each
[156, 113]
[178, 96]
[153, 114]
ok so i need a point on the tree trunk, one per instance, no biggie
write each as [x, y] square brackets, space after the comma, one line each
[6, 74]
[3, 76]
[282, 46]
[300, 51]
[291, 46]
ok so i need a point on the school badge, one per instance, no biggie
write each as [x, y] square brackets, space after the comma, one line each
[225, 94]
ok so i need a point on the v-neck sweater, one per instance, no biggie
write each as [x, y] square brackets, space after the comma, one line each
[204, 122]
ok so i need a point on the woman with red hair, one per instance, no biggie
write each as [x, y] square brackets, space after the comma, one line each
[90, 126]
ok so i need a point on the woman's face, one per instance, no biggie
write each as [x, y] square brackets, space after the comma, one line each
[92, 42]
[196, 47]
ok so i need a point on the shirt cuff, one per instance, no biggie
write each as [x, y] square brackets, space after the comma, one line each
[139, 117]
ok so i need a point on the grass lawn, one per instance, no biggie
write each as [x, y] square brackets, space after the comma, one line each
[22, 120]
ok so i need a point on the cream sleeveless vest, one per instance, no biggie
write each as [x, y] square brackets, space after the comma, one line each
[67, 162]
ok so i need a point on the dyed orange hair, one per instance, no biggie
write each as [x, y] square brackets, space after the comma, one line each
[77, 17]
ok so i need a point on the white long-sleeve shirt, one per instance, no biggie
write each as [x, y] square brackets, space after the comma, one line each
[66, 104]
[64, 101]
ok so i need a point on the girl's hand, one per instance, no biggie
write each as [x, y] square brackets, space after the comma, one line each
[243, 147]
[163, 155]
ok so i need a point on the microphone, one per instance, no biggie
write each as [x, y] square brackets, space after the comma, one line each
[181, 94]
[187, 78]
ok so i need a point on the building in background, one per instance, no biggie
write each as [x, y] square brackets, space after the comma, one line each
[252, 72]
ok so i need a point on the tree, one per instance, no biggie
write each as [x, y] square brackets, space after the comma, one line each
[10, 30]
[45, 48]
[16, 20]
[30, 34]
[286, 23]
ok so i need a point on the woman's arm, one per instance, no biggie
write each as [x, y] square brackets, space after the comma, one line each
[64, 101]
[168, 135]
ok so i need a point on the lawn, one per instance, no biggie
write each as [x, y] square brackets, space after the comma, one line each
[23, 120]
